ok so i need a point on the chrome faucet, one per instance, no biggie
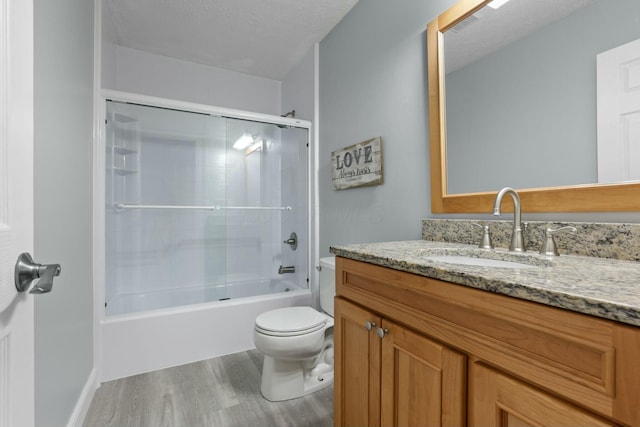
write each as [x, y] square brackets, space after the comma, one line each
[517, 242]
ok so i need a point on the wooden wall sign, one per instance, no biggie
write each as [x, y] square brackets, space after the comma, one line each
[358, 165]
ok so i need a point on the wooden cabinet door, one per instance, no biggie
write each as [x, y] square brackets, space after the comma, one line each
[423, 382]
[499, 400]
[357, 366]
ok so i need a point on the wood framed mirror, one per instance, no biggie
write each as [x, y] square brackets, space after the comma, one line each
[589, 197]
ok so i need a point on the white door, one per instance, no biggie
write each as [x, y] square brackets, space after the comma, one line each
[619, 113]
[16, 211]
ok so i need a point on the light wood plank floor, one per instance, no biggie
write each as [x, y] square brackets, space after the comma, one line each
[222, 392]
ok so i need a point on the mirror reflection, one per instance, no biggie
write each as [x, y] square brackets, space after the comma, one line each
[521, 104]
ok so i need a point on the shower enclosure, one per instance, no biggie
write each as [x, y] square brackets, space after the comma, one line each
[197, 210]
[201, 207]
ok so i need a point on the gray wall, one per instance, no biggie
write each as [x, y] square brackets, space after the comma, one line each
[297, 88]
[137, 71]
[298, 94]
[63, 203]
[373, 83]
[146, 73]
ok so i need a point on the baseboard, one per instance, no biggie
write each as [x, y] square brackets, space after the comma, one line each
[84, 401]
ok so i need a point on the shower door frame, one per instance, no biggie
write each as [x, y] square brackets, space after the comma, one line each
[100, 193]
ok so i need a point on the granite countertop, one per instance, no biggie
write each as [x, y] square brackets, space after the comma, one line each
[601, 287]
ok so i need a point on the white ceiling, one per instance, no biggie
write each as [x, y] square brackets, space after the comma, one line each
[265, 38]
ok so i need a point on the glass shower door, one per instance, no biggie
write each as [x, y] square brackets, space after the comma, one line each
[198, 208]
[267, 200]
[165, 171]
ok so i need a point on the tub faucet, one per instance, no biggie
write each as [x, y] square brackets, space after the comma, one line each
[283, 270]
[517, 242]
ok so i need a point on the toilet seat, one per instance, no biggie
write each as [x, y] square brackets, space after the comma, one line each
[290, 321]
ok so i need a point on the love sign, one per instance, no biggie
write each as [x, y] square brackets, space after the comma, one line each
[358, 165]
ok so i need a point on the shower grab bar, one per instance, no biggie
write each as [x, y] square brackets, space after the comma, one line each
[123, 206]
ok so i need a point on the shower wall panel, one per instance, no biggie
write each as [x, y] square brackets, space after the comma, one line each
[161, 164]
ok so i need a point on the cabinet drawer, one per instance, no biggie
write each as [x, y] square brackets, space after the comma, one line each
[584, 359]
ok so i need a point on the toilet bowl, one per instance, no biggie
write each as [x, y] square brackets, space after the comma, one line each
[298, 344]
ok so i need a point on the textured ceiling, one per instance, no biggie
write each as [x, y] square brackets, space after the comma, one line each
[264, 38]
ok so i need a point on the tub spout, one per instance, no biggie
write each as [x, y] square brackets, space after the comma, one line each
[283, 270]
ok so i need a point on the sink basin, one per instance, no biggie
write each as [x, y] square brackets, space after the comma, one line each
[494, 258]
[478, 262]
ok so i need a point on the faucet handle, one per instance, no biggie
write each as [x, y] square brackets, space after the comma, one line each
[485, 242]
[549, 246]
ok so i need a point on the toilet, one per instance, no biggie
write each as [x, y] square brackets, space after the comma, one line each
[297, 343]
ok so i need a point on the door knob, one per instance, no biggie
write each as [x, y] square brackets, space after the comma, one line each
[26, 271]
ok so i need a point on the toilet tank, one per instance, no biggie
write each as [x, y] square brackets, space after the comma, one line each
[327, 284]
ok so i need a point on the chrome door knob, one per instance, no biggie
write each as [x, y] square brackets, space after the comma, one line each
[26, 271]
[370, 325]
[382, 332]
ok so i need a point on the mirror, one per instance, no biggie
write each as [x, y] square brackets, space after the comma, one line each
[462, 180]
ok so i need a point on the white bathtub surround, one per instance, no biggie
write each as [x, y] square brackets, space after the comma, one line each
[137, 343]
[186, 211]
[182, 283]
[136, 302]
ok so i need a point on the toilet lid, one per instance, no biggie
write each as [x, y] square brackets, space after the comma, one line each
[291, 319]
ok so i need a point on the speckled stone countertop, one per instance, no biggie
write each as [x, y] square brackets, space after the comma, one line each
[606, 288]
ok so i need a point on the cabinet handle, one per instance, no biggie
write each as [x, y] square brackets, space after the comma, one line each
[370, 325]
[382, 332]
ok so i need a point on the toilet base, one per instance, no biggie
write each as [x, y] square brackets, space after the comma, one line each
[284, 380]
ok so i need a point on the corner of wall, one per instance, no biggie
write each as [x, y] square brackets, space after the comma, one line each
[299, 93]
[84, 401]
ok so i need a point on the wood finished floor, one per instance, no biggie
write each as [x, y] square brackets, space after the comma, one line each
[221, 392]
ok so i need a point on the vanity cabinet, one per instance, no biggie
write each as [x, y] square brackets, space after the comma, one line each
[356, 366]
[454, 355]
[386, 374]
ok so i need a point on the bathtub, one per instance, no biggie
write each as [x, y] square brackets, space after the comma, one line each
[163, 337]
[190, 295]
